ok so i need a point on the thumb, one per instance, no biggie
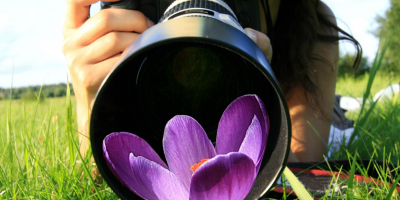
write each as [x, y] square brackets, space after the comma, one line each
[261, 40]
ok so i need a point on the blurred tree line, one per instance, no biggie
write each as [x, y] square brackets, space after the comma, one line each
[346, 68]
[31, 92]
[389, 28]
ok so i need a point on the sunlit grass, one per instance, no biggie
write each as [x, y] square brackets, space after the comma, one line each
[39, 156]
[376, 137]
[348, 86]
[39, 159]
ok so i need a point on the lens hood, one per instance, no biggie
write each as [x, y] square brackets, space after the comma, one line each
[124, 103]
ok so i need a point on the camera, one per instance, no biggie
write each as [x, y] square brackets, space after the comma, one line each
[246, 11]
[194, 62]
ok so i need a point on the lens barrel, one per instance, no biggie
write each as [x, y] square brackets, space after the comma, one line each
[194, 62]
[216, 9]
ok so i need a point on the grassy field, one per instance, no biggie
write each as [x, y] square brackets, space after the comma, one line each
[39, 157]
[39, 153]
[348, 86]
[378, 122]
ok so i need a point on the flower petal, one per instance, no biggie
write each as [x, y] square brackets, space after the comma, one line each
[227, 177]
[118, 146]
[251, 145]
[156, 181]
[235, 121]
[185, 144]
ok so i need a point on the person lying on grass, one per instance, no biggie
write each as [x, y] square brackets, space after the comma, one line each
[303, 55]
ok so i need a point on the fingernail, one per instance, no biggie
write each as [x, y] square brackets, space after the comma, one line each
[251, 34]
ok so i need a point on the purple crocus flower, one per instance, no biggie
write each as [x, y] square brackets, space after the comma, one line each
[195, 169]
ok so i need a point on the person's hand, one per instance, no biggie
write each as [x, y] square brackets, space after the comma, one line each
[261, 40]
[92, 46]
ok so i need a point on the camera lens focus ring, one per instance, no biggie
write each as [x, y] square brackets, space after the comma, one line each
[191, 5]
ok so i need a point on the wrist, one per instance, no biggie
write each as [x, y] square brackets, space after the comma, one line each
[83, 117]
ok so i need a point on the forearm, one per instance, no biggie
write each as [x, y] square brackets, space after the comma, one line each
[83, 117]
[91, 47]
[310, 133]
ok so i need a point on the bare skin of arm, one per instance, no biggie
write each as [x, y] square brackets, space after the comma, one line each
[91, 47]
[310, 127]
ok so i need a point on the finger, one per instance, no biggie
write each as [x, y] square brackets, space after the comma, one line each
[95, 74]
[77, 12]
[108, 45]
[109, 20]
[261, 40]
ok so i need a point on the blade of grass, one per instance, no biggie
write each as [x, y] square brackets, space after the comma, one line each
[284, 186]
[298, 188]
[26, 155]
[69, 121]
[8, 148]
[33, 117]
[315, 130]
[85, 164]
[48, 132]
[375, 67]
[4, 181]
[69, 128]
[349, 192]
[9, 138]
[391, 191]
[36, 160]
[364, 143]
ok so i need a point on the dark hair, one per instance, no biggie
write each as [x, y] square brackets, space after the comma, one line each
[296, 31]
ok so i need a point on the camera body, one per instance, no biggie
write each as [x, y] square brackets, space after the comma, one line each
[246, 11]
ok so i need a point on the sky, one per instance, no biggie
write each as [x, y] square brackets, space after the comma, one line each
[31, 37]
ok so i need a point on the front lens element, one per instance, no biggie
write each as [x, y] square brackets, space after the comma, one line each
[186, 79]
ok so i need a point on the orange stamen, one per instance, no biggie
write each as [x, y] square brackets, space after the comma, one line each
[196, 166]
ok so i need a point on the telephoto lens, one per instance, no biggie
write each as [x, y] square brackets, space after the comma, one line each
[194, 62]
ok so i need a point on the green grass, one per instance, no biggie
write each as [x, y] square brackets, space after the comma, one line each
[348, 86]
[39, 156]
[375, 137]
[39, 159]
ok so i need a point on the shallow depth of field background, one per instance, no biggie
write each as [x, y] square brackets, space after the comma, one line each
[39, 156]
